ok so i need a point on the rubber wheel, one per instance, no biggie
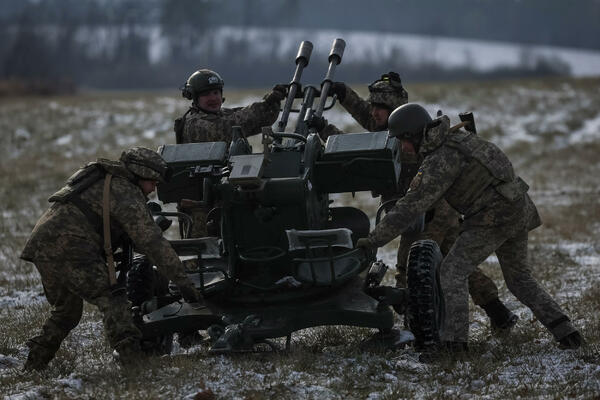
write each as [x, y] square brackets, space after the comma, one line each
[425, 310]
[143, 283]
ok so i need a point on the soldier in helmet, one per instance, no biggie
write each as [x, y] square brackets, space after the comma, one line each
[207, 121]
[442, 222]
[71, 248]
[476, 178]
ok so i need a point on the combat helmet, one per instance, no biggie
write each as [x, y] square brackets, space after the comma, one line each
[146, 164]
[200, 82]
[388, 91]
[408, 122]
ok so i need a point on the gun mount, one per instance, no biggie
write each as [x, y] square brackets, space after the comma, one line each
[281, 259]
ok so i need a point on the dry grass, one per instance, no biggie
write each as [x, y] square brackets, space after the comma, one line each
[45, 139]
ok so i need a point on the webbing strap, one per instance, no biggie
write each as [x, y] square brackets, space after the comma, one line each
[112, 276]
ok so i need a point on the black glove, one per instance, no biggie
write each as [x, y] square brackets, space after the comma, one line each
[317, 123]
[189, 294]
[365, 244]
[278, 93]
[339, 89]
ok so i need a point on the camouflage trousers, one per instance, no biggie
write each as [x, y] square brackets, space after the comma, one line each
[509, 243]
[444, 229]
[66, 286]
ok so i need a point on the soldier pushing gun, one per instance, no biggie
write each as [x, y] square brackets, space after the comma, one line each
[71, 248]
[476, 178]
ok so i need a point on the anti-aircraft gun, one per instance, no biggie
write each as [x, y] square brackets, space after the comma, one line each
[279, 258]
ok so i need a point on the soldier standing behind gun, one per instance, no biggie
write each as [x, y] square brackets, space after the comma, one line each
[207, 121]
[477, 179]
[69, 250]
[442, 222]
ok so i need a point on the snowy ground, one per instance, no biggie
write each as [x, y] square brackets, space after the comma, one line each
[551, 131]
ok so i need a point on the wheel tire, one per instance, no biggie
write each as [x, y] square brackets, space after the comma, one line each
[143, 283]
[425, 299]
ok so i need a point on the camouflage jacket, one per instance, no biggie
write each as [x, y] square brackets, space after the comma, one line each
[459, 175]
[64, 232]
[360, 110]
[201, 126]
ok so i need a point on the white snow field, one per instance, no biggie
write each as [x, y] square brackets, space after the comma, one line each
[550, 130]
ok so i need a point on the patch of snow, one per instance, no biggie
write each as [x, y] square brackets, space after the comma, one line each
[64, 140]
[20, 298]
[590, 131]
[149, 134]
[31, 394]
[22, 134]
[71, 382]
[7, 362]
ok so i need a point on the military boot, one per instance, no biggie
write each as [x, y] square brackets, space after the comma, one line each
[38, 357]
[449, 350]
[572, 341]
[128, 353]
[565, 333]
[501, 318]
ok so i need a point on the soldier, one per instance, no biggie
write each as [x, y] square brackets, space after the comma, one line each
[442, 222]
[476, 178]
[385, 94]
[207, 121]
[67, 244]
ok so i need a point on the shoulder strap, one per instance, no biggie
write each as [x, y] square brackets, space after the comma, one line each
[179, 126]
[106, 223]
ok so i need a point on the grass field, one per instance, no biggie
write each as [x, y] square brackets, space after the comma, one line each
[549, 128]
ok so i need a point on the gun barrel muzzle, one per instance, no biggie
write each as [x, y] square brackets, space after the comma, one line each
[304, 52]
[337, 50]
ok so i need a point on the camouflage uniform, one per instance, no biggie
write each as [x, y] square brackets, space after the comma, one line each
[360, 109]
[443, 228]
[201, 126]
[476, 179]
[68, 251]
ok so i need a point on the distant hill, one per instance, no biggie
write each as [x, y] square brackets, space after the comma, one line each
[157, 43]
[545, 22]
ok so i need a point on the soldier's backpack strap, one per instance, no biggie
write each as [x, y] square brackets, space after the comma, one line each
[112, 276]
[179, 125]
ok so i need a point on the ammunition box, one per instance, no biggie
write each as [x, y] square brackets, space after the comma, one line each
[184, 159]
[355, 162]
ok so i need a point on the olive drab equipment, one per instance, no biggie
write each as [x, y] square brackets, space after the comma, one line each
[488, 166]
[200, 82]
[146, 164]
[408, 122]
[281, 257]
